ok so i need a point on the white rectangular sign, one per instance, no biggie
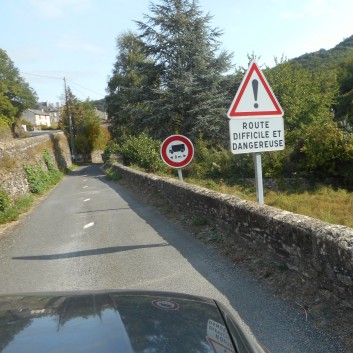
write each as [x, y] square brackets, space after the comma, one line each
[253, 135]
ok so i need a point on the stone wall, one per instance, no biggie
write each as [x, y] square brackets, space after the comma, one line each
[16, 153]
[320, 251]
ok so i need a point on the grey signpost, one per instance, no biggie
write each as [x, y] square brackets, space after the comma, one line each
[255, 121]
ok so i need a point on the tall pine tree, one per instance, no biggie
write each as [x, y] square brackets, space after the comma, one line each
[187, 53]
[178, 67]
[131, 86]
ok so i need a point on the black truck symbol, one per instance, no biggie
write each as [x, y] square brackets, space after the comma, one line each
[180, 147]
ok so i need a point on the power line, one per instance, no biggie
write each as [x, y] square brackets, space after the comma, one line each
[55, 78]
[61, 78]
[77, 90]
[86, 88]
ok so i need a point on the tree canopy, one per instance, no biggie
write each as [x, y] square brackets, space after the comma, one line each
[173, 77]
[170, 74]
[86, 132]
[15, 93]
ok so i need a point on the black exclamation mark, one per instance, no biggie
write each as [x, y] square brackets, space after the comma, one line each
[255, 87]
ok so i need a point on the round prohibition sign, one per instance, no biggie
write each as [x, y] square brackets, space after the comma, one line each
[177, 151]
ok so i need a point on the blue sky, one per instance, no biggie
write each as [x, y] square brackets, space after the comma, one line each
[76, 38]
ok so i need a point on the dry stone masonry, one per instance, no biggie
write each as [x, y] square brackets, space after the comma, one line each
[317, 250]
[17, 153]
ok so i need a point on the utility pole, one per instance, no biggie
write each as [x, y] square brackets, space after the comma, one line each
[72, 147]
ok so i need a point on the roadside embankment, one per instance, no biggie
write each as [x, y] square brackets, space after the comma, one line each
[29, 151]
[319, 251]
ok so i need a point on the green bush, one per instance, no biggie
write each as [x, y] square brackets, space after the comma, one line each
[112, 174]
[216, 162]
[37, 179]
[5, 128]
[54, 175]
[142, 151]
[21, 204]
[41, 180]
[111, 148]
[4, 200]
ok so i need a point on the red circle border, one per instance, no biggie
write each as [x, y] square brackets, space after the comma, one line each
[167, 160]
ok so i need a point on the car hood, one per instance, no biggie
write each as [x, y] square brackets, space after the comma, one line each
[111, 322]
[119, 321]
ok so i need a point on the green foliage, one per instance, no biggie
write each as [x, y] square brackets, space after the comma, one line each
[5, 128]
[305, 96]
[142, 151]
[111, 148]
[112, 174]
[199, 221]
[130, 87]
[4, 200]
[54, 174]
[169, 78]
[20, 205]
[101, 139]
[37, 179]
[327, 59]
[344, 106]
[212, 162]
[337, 61]
[15, 93]
[86, 129]
[314, 143]
[41, 180]
[328, 152]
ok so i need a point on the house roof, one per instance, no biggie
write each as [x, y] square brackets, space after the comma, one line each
[38, 112]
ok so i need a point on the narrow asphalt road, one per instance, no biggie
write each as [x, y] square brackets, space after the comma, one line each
[92, 234]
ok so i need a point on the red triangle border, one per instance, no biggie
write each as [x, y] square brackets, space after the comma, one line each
[232, 111]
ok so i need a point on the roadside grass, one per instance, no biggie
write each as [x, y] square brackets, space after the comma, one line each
[20, 205]
[321, 202]
[324, 203]
[243, 191]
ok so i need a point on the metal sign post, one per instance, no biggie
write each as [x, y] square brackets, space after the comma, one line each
[256, 121]
[180, 174]
[258, 178]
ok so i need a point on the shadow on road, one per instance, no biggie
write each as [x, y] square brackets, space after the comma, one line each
[101, 251]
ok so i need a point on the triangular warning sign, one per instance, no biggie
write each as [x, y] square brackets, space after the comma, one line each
[254, 97]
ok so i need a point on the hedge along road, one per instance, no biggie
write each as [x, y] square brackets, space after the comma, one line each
[92, 234]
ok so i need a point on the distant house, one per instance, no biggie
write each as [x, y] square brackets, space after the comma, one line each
[53, 110]
[37, 117]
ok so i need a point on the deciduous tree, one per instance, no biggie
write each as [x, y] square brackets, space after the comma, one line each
[87, 132]
[15, 93]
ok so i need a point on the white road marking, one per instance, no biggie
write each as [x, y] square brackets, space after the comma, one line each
[88, 225]
[86, 200]
[85, 187]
